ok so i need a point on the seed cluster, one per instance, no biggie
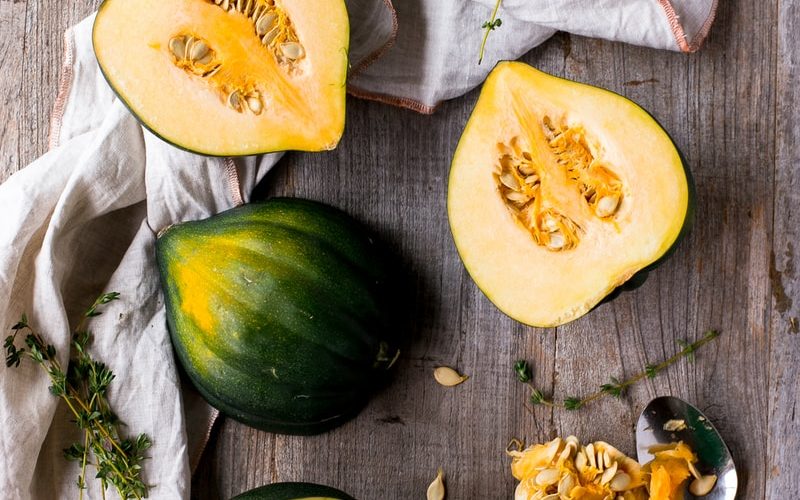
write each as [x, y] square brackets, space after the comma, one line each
[274, 30]
[194, 55]
[599, 186]
[519, 179]
[562, 469]
[272, 26]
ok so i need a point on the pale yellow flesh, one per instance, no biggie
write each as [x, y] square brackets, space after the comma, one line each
[526, 281]
[303, 109]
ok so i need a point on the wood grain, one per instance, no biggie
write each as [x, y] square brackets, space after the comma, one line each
[731, 109]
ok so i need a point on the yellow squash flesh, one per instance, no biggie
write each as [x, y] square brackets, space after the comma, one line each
[547, 277]
[296, 103]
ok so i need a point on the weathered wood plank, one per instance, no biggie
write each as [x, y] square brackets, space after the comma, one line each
[719, 279]
[784, 383]
[31, 46]
[731, 109]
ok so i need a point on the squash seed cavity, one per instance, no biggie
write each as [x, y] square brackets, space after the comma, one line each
[272, 26]
[519, 181]
[194, 55]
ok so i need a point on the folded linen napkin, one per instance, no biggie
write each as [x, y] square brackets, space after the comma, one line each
[82, 219]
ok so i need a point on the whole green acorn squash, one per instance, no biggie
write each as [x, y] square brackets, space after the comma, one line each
[294, 491]
[286, 314]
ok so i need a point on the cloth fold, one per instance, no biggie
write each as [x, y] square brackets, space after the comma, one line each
[83, 218]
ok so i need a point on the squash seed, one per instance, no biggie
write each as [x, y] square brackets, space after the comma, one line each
[254, 104]
[556, 241]
[606, 206]
[265, 23]
[448, 377]
[566, 485]
[205, 59]
[235, 100]
[436, 488]
[509, 180]
[547, 477]
[620, 482]
[674, 424]
[608, 474]
[198, 50]
[581, 462]
[269, 37]
[177, 45]
[703, 485]
[292, 50]
[517, 197]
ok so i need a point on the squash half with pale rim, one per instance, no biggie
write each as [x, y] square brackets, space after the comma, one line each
[229, 77]
[561, 194]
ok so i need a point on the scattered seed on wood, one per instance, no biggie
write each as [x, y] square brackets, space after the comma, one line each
[436, 488]
[448, 377]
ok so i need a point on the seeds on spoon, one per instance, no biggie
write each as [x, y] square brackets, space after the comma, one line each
[703, 485]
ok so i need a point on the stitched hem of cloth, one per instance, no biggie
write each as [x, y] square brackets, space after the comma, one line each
[680, 34]
[377, 54]
[233, 182]
[403, 102]
[64, 87]
[195, 460]
[701, 35]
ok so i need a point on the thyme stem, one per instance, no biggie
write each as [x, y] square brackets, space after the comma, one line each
[617, 387]
[83, 388]
[488, 27]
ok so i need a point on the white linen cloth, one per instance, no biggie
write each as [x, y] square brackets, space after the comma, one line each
[82, 219]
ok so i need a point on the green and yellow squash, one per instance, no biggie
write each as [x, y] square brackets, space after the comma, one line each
[562, 194]
[294, 491]
[286, 315]
[229, 77]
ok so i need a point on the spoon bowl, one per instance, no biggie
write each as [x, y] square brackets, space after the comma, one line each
[699, 433]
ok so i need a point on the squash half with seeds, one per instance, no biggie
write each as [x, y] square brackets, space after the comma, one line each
[229, 77]
[562, 194]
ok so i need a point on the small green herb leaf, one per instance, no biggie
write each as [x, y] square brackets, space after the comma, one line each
[523, 371]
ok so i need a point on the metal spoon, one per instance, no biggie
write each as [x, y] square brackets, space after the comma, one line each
[714, 457]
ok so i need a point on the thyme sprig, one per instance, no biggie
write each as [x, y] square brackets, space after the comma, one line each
[83, 387]
[614, 387]
[488, 26]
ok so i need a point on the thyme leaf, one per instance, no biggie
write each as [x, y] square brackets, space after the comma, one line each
[616, 387]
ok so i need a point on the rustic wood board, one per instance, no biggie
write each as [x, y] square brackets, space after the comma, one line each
[731, 108]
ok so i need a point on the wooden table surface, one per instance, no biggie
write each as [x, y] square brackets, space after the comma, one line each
[732, 109]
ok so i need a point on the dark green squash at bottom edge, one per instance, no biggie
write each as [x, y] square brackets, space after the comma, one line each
[286, 315]
[293, 491]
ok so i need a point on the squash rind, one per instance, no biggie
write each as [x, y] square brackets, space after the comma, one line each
[286, 315]
[293, 491]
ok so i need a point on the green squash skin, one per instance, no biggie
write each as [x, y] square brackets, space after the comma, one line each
[293, 491]
[309, 313]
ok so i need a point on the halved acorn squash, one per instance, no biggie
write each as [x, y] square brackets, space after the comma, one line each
[560, 193]
[229, 77]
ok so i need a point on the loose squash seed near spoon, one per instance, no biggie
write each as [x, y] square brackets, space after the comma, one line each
[716, 479]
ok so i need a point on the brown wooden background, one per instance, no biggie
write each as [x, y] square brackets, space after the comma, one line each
[732, 108]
